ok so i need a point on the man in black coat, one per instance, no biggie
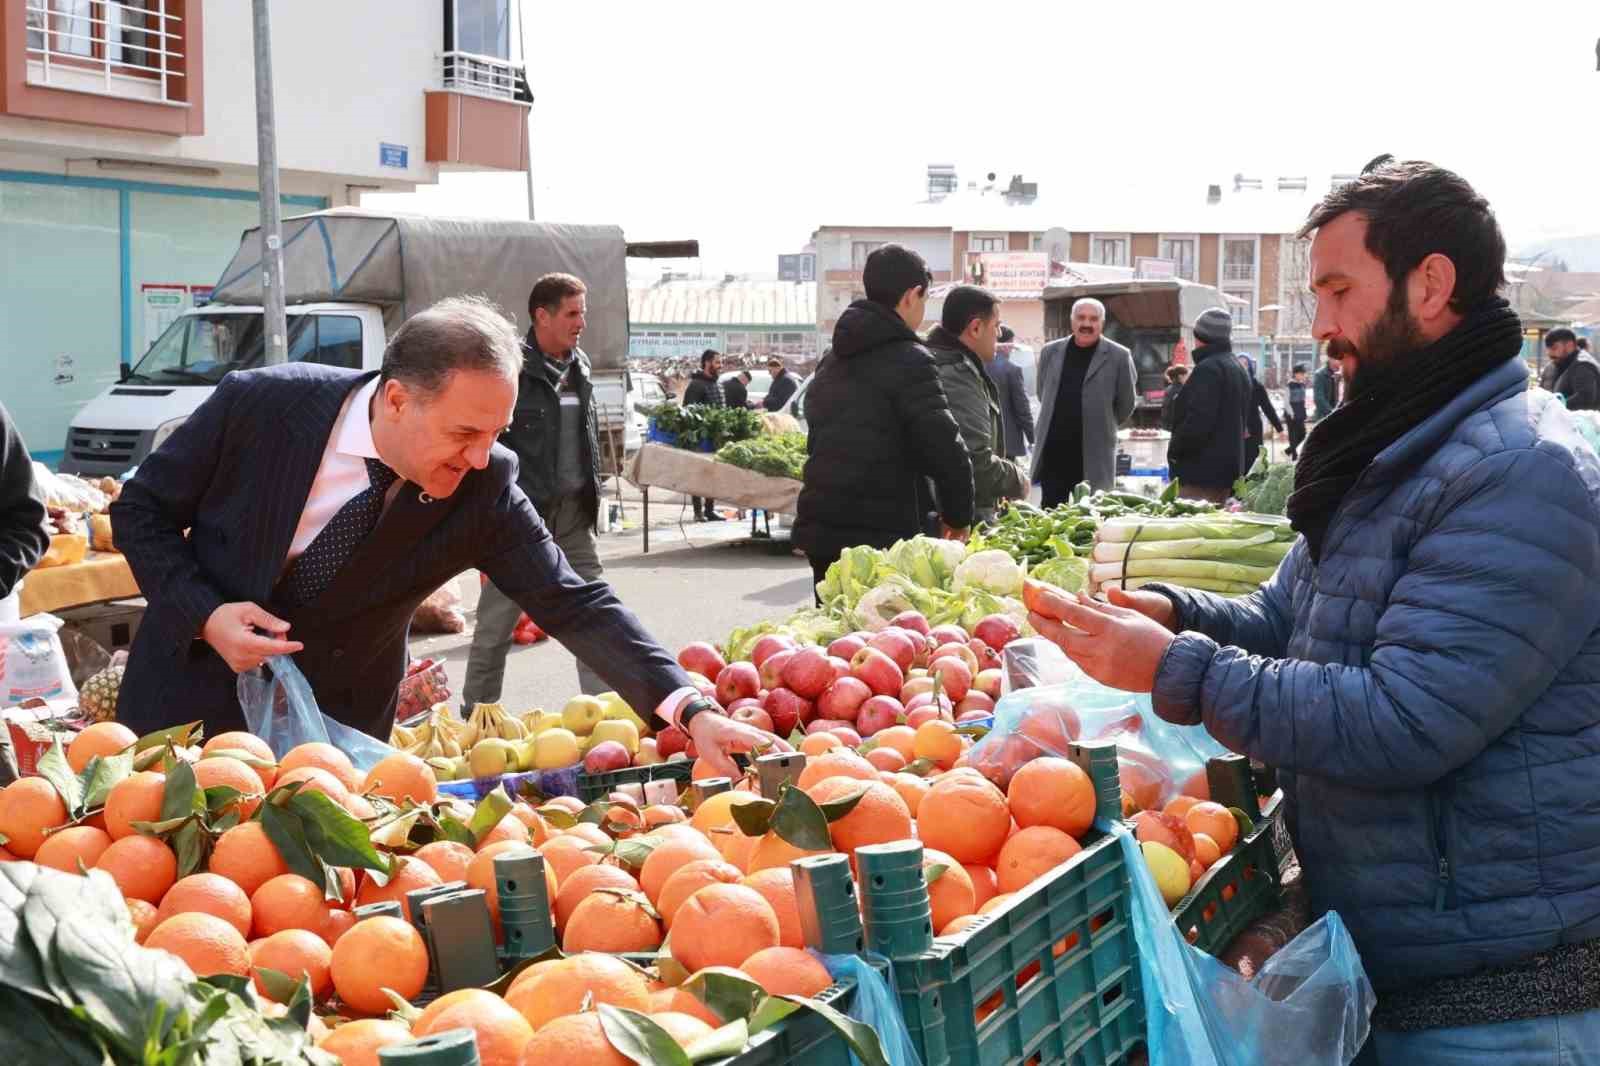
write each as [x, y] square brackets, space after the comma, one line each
[879, 421]
[1206, 452]
[1016, 416]
[1260, 404]
[1296, 414]
[307, 510]
[705, 390]
[23, 540]
[782, 388]
[1577, 377]
[736, 390]
[1325, 386]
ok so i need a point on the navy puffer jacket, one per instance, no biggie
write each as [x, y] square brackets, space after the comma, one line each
[1431, 690]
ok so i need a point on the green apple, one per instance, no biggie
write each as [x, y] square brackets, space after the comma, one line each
[582, 714]
[524, 754]
[617, 708]
[623, 732]
[491, 757]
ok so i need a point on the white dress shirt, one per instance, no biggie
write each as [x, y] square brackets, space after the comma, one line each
[343, 473]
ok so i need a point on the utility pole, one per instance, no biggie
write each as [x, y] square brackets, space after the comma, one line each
[272, 291]
[530, 163]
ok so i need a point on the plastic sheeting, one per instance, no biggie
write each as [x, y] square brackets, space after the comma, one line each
[405, 263]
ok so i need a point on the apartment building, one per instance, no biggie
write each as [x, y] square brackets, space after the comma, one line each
[128, 152]
[1238, 237]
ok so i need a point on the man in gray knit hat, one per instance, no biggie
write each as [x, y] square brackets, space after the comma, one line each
[1206, 453]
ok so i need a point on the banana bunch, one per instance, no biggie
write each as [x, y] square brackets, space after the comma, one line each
[490, 721]
[438, 736]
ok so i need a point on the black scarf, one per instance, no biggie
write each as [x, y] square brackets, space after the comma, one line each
[1388, 401]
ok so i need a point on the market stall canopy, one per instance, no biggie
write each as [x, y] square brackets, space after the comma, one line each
[1142, 303]
[404, 263]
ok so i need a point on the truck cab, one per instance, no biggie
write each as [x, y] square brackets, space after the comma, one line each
[116, 430]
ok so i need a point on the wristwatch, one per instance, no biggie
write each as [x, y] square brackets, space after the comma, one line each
[694, 707]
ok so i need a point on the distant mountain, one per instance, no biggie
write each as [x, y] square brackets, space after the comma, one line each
[1579, 253]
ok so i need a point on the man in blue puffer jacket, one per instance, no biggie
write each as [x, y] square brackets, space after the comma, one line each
[1424, 667]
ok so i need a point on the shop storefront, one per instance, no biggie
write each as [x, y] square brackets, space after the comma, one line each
[91, 271]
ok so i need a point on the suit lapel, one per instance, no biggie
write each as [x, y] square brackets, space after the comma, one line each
[1098, 361]
[307, 427]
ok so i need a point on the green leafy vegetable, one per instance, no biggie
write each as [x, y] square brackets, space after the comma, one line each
[782, 455]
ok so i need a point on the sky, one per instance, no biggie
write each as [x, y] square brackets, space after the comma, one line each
[748, 125]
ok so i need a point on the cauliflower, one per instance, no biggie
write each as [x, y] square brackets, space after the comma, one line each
[993, 571]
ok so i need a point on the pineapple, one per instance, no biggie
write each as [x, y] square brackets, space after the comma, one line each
[97, 699]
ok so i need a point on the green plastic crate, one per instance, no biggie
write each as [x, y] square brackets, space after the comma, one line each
[1052, 978]
[593, 787]
[1247, 882]
[803, 1037]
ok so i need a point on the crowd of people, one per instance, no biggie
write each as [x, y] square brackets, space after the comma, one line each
[1421, 670]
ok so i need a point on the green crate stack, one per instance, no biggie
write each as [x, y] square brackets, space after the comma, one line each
[1247, 882]
[593, 787]
[1052, 978]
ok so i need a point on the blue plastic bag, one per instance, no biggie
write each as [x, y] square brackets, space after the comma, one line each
[562, 782]
[875, 1005]
[1310, 1005]
[281, 709]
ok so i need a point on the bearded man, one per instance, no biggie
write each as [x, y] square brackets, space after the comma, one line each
[1424, 667]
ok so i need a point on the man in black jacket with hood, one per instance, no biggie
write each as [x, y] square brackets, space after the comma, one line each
[1577, 376]
[1206, 452]
[879, 422]
[1260, 404]
[704, 389]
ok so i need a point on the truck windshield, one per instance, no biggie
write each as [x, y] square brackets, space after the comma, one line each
[202, 349]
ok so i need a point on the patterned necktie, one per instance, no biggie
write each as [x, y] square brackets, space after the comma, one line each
[314, 570]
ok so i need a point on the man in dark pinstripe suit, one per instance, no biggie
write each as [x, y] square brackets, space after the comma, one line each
[323, 505]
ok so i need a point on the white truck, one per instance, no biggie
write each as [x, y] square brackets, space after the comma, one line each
[352, 277]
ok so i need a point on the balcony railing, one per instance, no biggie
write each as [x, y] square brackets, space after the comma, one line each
[126, 50]
[1238, 272]
[480, 75]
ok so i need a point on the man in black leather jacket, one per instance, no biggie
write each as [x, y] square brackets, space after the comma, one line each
[555, 435]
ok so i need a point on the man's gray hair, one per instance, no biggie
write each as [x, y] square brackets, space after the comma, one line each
[458, 333]
[1089, 301]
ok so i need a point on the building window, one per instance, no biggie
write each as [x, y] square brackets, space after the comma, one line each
[1181, 251]
[1239, 260]
[987, 242]
[1241, 305]
[479, 55]
[482, 27]
[859, 250]
[1299, 306]
[130, 39]
[1109, 251]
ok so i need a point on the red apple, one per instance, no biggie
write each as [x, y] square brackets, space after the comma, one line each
[971, 716]
[807, 673]
[879, 712]
[944, 706]
[954, 678]
[974, 701]
[950, 635]
[701, 658]
[841, 667]
[772, 669]
[606, 756]
[959, 651]
[752, 714]
[649, 753]
[843, 699]
[989, 683]
[827, 725]
[707, 687]
[768, 645]
[787, 711]
[997, 630]
[670, 741]
[912, 620]
[896, 645]
[737, 681]
[880, 672]
[988, 658]
[915, 687]
[926, 713]
[746, 701]
[848, 734]
[846, 647]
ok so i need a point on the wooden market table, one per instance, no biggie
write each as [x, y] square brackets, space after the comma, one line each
[102, 576]
[698, 474]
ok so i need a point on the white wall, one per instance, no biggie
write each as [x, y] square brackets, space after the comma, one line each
[348, 75]
[833, 245]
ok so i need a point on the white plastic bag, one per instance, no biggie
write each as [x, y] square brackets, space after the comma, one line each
[33, 664]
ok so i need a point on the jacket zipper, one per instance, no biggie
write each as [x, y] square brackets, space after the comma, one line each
[1444, 893]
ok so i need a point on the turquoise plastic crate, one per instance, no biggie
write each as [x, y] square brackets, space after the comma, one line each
[1051, 978]
[592, 787]
[1247, 883]
[803, 1037]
